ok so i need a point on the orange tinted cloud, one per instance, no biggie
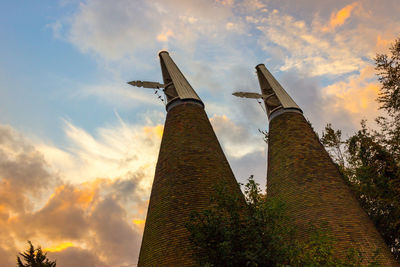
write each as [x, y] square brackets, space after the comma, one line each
[59, 247]
[225, 2]
[81, 195]
[236, 140]
[357, 95]
[361, 99]
[339, 18]
[135, 221]
[139, 223]
[383, 44]
[163, 37]
[79, 222]
[154, 130]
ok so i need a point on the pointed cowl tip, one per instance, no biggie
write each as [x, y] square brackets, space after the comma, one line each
[163, 51]
[259, 65]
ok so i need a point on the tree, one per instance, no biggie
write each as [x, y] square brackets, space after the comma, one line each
[375, 179]
[373, 174]
[388, 68]
[370, 159]
[259, 233]
[332, 140]
[34, 258]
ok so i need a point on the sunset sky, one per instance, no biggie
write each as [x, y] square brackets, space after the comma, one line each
[78, 145]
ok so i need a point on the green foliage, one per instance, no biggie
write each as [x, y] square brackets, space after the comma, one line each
[319, 250]
[373, 173]
[259, 233]
[370, 159]
[34, 258]
[388, 67]
[332, 140]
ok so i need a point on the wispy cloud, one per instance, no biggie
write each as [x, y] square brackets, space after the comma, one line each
[357, 95]
[340, 17]
[244, 148]
[115, 151]
[210, 41]
[124, 28]
[84, 201]
[236, 140]
[304, 48]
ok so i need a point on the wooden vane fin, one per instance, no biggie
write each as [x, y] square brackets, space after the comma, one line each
[146, 84]
[249, 95]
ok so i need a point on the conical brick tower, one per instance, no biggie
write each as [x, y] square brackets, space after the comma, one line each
[190, 164]
[301, 173]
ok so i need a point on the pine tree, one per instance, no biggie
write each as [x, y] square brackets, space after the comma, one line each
[34, 258]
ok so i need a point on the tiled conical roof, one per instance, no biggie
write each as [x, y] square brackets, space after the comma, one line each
[190, 164]
[301, 173]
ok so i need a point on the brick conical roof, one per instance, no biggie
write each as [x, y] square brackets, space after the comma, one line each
[301, 173]
[190, 164]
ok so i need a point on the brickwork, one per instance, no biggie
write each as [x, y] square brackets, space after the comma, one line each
[301, 173]
[190, 163]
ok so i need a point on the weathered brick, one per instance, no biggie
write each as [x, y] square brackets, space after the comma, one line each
[302, 174]
[190, 163]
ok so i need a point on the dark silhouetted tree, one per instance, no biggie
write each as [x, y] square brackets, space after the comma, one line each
[34, 258]
[332, 140]
[388, 67]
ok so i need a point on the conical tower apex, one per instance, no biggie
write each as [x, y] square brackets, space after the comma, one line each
[276, 100]
[176, 88]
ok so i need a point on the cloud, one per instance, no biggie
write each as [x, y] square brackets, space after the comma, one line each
[89, 219]
[114, 233]
[93, 216]
[72, 257]
[24, 175]
[356, 95]
[163, 37]
[343, 103]
[290, 36]
[59, 247]
[117, 92]
[304, 48]
[63, 216]
[125, 28]
[91, 210]
[112, 30]
[316, 105]
[340, 17]
[217, 44]
[114, 152]
[244, 148]
[7, 259]
[23, 171]
[236, 140]
[254, 163]
[225, 2]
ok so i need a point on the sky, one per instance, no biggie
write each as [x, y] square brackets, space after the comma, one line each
[78, 145]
